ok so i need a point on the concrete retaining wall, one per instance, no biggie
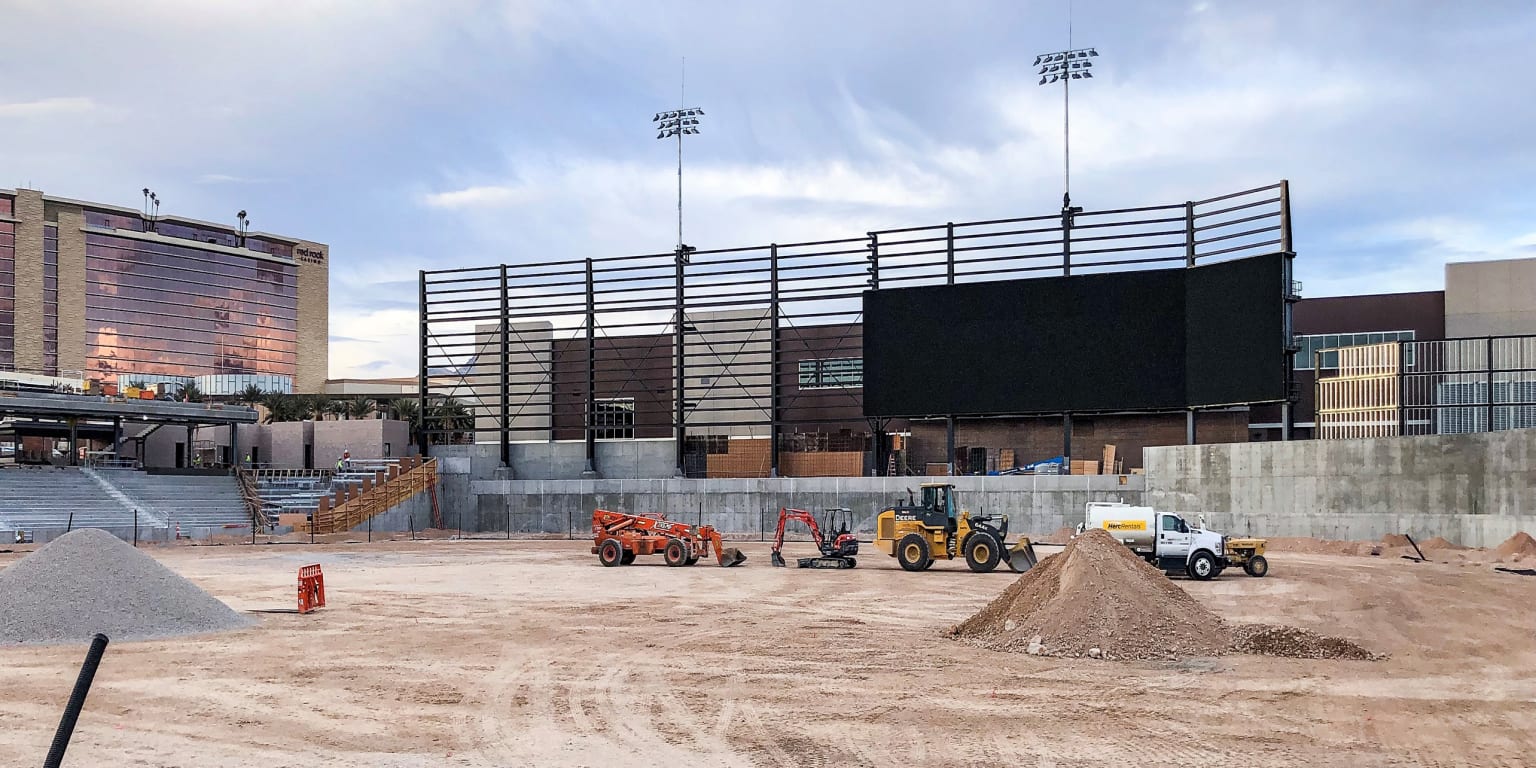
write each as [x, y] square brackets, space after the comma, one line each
[748, 508]
[1476, 490]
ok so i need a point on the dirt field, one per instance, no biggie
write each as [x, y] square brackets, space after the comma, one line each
[529, 653]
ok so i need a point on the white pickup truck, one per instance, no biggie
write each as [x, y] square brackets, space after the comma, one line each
[1168, 542]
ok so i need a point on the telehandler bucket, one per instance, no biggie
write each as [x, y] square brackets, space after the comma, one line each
[1022, 557]
[731, 556]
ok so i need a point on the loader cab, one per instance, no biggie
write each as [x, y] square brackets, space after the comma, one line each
[939, 502]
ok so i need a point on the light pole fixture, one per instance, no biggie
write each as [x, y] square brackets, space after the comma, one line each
[678, 123]
[1064, 67]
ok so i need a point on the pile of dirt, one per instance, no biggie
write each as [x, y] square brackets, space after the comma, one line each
[89, 581]
[1396, 540]
[1310, 546]
[1096, 598]
[1273, 640]
[1440, 542]
[1518, 546]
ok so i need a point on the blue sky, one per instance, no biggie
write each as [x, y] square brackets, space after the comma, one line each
[412, 135]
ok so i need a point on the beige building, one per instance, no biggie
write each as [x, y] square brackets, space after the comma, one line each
[1490, 298]
[129, 297]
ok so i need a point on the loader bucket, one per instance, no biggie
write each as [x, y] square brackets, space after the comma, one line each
[731, 557]
[1022, 557]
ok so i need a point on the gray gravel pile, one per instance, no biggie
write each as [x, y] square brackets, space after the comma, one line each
[89, 581]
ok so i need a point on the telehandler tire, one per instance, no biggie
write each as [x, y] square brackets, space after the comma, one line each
[983, 552]
[629, 557]
[1256, 566]
[912, 552]
[611, 553]
[676, 553]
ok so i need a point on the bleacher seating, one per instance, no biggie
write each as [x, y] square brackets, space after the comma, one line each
[300, 491]
[190, 501]
[45, 497]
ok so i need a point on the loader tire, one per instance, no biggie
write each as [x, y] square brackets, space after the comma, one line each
[1256, 566]
[676, 553]
[629, 557]
[1202, 567]
[912, 552]
[692, 559]
[611, 553]
[983, 552]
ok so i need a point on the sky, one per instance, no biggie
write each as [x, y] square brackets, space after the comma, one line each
[414, 135]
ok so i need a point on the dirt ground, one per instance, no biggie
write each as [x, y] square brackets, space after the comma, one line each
[453, 653]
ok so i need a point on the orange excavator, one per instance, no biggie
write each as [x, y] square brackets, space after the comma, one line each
[836, 552]
[618, 537]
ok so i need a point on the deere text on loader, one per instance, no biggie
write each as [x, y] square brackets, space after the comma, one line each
[932, 528]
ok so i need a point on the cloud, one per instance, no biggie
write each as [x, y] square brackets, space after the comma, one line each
[51, 107]
[494, 196]
[223, 178]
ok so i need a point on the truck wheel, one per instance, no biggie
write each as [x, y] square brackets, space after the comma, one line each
[1256, 566]
[982, 553]
[1202, 567]
[611, 553]
[629, 557]
[912, 552]
[676, 553]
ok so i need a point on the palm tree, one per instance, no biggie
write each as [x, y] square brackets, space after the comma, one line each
[251, 395]
[190, 393]
[405, 409]
[282, 408]
[358, 408]
[451, 417]
[317, 406]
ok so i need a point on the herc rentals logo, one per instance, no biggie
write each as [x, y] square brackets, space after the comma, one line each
[1125, 525]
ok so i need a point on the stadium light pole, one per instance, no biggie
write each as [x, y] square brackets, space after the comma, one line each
[1064, 67]
[678, 123]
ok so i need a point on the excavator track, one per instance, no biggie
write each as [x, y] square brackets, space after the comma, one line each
[827, 562]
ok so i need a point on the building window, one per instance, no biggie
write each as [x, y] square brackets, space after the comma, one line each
[1311, 344]
[614, 419]
[837, 372]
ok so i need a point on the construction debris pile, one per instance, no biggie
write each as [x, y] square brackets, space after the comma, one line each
[1097, 599]
[89, 581]
[1273, 640]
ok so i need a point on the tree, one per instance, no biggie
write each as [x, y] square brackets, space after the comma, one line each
[190, 392]
[317, 406]
[358, 408]
[405, 409]
[251, 395]
[453, 419]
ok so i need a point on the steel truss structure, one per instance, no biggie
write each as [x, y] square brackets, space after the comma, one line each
[718, 334]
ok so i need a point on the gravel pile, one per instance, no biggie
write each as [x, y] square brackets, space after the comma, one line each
[89, 581]
[1097, 599]
[1271, 640]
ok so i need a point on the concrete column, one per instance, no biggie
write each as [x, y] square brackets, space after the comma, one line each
[1189, 427]
[74, 442]
[29, 281]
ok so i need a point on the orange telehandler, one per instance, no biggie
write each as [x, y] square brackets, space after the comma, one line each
[618, 537]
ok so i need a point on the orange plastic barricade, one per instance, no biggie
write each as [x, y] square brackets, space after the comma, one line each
[311, 588]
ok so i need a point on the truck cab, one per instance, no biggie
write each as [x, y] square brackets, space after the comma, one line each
[1163, 539]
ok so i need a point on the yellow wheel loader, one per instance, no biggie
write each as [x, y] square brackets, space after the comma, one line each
[928, 529]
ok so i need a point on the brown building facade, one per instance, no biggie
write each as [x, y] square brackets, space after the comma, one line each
[105, 293]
